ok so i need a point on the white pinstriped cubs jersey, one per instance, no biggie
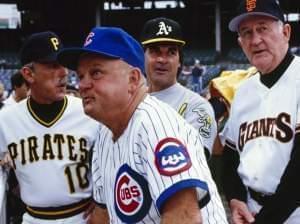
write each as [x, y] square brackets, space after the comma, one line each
[51, 160]
[194, 108]
[157, 155]
[262, 127]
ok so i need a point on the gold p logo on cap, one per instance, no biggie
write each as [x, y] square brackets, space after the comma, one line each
[55, 42]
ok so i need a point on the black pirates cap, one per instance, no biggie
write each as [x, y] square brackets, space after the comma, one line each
[40, 47]
[269, 8]
[161, 30]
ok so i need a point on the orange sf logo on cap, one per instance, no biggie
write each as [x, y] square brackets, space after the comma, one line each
[250, 5]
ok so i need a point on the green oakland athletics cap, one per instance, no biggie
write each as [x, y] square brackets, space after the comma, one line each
[161, 29]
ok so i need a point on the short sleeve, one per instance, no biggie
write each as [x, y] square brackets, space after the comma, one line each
[175, 160]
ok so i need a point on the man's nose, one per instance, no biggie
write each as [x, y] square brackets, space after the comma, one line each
[256, 38]
[63, 71]
[85, 83]
[161, 58]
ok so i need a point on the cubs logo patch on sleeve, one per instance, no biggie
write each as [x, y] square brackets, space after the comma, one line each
[171, 157]
[132, 196]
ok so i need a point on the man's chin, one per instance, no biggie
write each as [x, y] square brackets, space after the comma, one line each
[88, 110]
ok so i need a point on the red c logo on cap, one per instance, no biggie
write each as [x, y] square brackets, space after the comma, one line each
[88, 39]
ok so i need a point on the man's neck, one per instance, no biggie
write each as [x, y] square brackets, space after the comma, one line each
[17, 98]
[271, 78]
[119, 126]
[154, 88]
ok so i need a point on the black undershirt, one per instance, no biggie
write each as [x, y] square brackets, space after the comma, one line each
[46, 112]
[270, 79]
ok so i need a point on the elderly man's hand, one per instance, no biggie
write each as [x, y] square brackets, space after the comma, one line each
[240, 212]
[6, 161]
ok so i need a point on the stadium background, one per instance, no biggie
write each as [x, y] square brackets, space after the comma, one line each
[204, 24]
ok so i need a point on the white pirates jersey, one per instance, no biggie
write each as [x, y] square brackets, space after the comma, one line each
[262, 127]
[10, 100]
[51, 160]
[195, 110]
[156, 156]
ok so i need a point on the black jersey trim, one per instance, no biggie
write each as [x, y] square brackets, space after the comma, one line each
[59, 212]
[297, 128]
[44, 123]
[230, 144]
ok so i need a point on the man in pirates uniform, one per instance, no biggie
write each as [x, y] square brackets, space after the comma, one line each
[49, 138]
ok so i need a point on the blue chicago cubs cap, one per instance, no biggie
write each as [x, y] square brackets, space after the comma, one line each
[269, 8]
[40, 47]
[111, 42]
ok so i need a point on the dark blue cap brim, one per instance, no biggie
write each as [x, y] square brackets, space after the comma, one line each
[69, 57]
[235, 22]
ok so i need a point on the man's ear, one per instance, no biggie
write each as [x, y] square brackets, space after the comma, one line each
[27, 74]
[287, 31]
[135, 77]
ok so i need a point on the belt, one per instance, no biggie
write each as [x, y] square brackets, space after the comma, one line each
[59, 212]
[259, 197]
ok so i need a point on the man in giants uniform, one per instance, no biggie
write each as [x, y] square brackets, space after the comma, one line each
[262, 155]
[162, 41]
[147, 166]
[49, 138]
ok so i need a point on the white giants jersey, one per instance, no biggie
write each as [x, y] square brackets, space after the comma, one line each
[156, 156]
[261, 127]
[51, 160]
[195, 110]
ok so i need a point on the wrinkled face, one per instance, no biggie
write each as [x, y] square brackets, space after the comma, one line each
[47, 81]
[104, 86]
[161, 63]
[264, 41]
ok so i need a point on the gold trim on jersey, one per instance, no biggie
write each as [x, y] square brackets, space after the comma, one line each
[48, 124]
[182, 108]
[59, 212]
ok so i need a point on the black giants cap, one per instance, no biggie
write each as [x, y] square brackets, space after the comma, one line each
[41, 47]
[161, 30]
[248, 8]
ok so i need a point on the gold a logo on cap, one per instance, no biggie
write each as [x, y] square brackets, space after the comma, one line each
[89, 39]
[54, 42]
[163, 29]
[250, 5]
